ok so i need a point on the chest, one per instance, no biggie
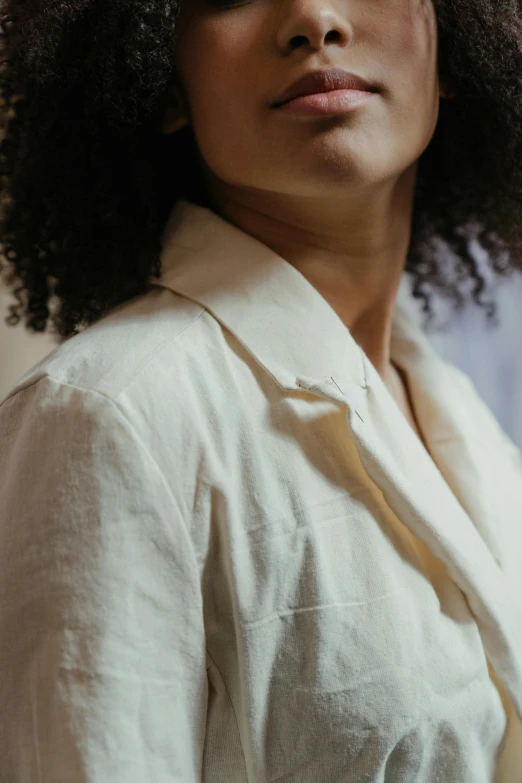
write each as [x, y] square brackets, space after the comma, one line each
[335, 637]
[336, 648]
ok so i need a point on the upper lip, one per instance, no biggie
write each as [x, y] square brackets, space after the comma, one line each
[323, 81]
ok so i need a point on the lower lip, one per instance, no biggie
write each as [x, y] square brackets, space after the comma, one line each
[333, 102]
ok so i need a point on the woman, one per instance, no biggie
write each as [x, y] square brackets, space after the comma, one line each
[252, 527]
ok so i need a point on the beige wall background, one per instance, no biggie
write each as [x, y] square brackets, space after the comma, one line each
[19, 349]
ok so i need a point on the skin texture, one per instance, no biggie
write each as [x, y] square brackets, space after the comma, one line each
[331, 195]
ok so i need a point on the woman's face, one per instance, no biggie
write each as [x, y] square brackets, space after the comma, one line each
[233, 57]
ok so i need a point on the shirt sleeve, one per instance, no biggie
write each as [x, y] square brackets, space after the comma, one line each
[102, 642]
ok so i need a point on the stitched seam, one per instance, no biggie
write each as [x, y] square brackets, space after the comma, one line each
[160, 348]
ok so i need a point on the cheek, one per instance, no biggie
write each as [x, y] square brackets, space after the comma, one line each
[421, 39]
[223, 120]
[220, 86]
[218, 53]
[225, 99]
[411, 38]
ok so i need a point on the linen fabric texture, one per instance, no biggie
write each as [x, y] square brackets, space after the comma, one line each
[226, 556]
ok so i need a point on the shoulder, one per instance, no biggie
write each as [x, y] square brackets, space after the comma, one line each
[121, 348]
[125, 384]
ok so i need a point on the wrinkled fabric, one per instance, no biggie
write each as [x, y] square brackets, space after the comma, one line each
[226, 556]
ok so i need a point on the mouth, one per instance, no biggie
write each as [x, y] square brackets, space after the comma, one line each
[333, 102]
[317, 82]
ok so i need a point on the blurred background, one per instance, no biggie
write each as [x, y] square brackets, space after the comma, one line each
[490, 356]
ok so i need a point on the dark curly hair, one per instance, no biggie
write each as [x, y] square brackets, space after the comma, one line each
[88, 180]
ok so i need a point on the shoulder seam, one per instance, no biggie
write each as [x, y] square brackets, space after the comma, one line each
[158, 349]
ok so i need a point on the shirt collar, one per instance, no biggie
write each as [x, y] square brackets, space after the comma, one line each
[271, 308]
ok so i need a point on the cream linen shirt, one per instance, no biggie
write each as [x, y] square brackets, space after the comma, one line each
[226, 556]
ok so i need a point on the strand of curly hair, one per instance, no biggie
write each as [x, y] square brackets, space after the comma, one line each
[88, 181]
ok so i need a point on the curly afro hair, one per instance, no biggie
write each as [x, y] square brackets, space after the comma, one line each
[88, 180]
